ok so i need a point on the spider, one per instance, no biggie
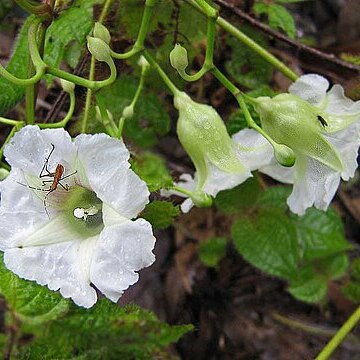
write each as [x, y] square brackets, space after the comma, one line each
[56, 176]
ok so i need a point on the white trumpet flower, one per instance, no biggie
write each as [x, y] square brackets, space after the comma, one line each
[73, 230]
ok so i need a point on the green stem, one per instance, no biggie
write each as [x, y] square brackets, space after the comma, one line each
[144, 27]
[94, 85]
[250, 43]
[43, 10]
[66, 119]
[340, 336]
[182, 190]
[133, 102]
[36, 38]
[89, 92]
[240, 98]
[10, 121]
[162, 74]
[209, 55]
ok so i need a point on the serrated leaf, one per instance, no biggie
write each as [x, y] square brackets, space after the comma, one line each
[268, 240]
[212, 250]
[247, 67]
[279, 17]
[105, 331]
[149, 120]
[321, 234]
[152, 169]
[33, 304]
[309, 287]
[10, 94]
[160, 214]
[238, 198]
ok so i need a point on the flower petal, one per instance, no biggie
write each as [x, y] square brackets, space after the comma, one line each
[254, 151]
[62, 266]
[30, 147]
[279, 172]
[121, 251]
[106, 169]
[310, 87]
[347, 143]
[314, 184]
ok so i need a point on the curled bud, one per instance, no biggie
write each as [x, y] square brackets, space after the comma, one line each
[284, 155]
[67, 85]
[201, 199]
[99, 49]
[101, 32]
[178, 58]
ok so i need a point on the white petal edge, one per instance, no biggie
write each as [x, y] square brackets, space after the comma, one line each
[310, 87]
[107, 170]
[30, 147]
[63, 267]
[121, 251]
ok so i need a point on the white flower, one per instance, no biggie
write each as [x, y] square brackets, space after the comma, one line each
[322, 128]
[81, 235]
[220, 163]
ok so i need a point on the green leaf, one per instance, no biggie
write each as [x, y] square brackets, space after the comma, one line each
[238, 198]
[68, 33]
[279, 17]
[212, 250]
[308, 287]
[268, 241]
[106, 331]
[247, 67]
[160, 214]
[352, 291]
[275, 196]
[355, 269]
[11, 94]
[31, 303]
[321, 234]
[149, 120]
[152, 169]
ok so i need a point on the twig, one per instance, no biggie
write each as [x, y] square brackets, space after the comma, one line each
[301, 47]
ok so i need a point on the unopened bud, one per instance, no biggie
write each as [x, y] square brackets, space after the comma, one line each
[101, 32]
[178, 58]
[99, 49]
[100, 117]
[143, 62]
[67, 85]
[284, 155]
[201, 199]
[128, 112]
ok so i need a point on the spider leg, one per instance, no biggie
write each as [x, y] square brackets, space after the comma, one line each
[64, 177]
[65, 187]
[45, 167]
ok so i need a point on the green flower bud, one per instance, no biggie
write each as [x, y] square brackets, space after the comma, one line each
[101, 32]
[128, 112]
[201, 199]
[284, 155]
[178, 58]
[99, 49]
[143, 62]
[203, 135]
[67, 86]
[291, 121]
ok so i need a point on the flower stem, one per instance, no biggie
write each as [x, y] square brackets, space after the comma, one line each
[209, 56]
[249, 42]
[89, 92]
[66, 119]
[162, 74]
[339, 336]
[144, 28]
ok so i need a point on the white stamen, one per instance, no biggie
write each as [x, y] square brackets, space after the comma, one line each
[81, 213]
